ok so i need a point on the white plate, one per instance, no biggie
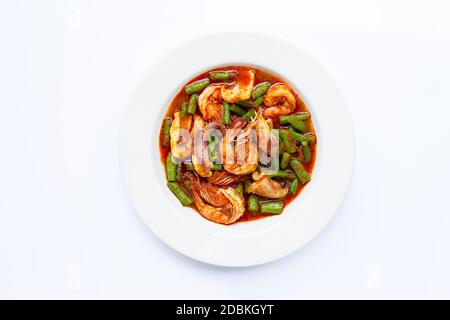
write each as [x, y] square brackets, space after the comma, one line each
[247, 243]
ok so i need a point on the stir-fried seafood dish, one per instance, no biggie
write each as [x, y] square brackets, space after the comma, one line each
[237, 144]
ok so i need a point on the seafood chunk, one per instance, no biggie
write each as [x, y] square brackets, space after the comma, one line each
[200, 159]
[180, 138]
[239, 90]
[279, 100]
[207, 191]
[228, 213]
[266, 187]
[210, 103]
[242, 156]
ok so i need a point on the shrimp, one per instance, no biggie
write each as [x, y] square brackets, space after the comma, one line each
[266, 187]
[200, 160]
[210, 103]
[207, 191]
[244, 156]
[279, 100]
[228, 213]
[180, 139]
[239, 90]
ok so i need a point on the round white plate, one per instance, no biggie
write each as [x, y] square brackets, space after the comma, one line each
[247, 243]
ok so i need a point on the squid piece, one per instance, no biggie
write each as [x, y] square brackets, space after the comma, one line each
[266, 187]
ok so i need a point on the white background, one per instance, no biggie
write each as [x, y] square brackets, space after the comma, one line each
[67, 228]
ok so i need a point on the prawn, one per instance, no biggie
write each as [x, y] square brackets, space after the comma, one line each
[239, 90]
[180, 139]
[279, 100]
[228, 213]
[243, 157]
[200, 160]
[210, 103]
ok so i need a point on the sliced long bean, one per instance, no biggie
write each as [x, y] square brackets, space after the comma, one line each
[298, 125]
[183, 109]
[237, 110]
[258, 101]
[196, 86]
[222, 75]
[282, 174]
[240, 189]
[249, 115]
[293, 187]
[226, 113]
[308, 137]
[171, 168]
[260, 90]
[299, 170]
[212, 151]
[166, 131]
[216, 167]
[295, 116]
[285, 160]
[284, 137]
[273, 207]
[253, 203]
[305, 151]
[247, 185]
[192, 106]
[246, 104]
[184, 198]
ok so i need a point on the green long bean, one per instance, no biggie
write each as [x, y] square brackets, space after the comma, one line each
[260, 90]
[247, 185]
[273, 207]
[308, 137]
[298, 125]
[226, 113]
[305, 151]
[258, 101]
[287, 144]
[240, 189]
[285, 160]
[299, 170]
[196, 86]
[246, 104]
[183, 111]
[192, 106]
[166, 131]
[253, 203]
[282, 174]
[222, 75]
[293, 187]
[184, 198]
[237, 110]
[171, 168]
[249, 115]
[295, 116]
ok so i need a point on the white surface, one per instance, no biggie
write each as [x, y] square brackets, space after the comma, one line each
[241, 244]
[67, 229]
